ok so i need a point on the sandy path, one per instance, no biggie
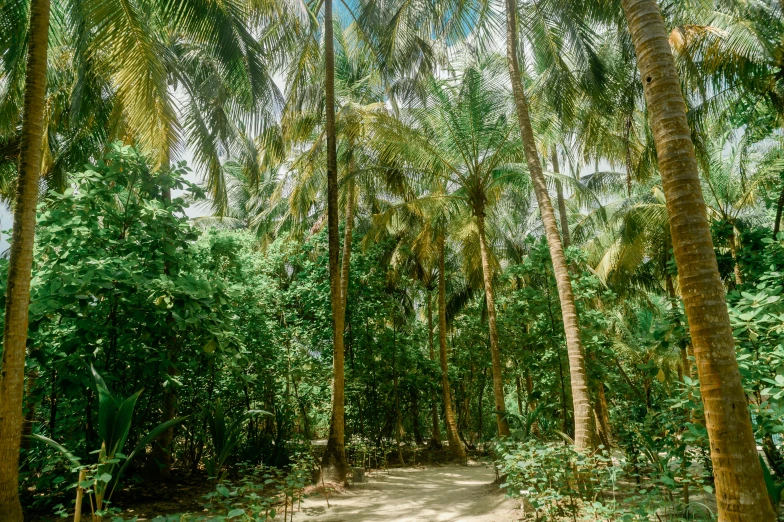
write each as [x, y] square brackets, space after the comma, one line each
[450, 493]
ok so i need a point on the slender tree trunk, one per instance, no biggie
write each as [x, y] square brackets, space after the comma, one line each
[561, 202]
[347, 237]
[603, 417]
[161, 463]
[495, 352]
[583, 413]
[519, 388]
[480, 429]
[529, 388]
[21, 261]
[435, 437]
[733, 241]
[740, 489]
[32, 399]
[334, 460]
[455, 446]
[398, 413]
[162, 451]
[779, 210]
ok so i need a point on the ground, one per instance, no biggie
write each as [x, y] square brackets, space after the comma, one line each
[448, 493]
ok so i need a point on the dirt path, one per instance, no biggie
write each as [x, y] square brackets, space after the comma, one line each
[450, 493]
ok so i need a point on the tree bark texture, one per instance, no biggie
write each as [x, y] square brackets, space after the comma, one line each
[740, 489]
[21, 261]
[435, 436]
[495, 351]
[583, 412]
[567, 240]
[334, 460]
[455, 446]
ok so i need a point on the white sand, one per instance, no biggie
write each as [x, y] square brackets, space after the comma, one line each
[450, 493]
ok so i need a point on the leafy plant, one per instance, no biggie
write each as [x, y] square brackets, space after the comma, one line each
[224, 438]
[114, 424]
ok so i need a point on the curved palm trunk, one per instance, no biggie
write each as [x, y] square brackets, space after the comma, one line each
[334, 460]
[583, 412]
[21, 262]
[435, 437]
[495, 352]
[455, 446]
[740, 488]
[561, 202]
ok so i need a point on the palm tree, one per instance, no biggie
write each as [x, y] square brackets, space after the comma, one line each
[326, 115]
[461, 134]
[335, 455]
[21, 261]
[740, 489]
[583, 413]
[736, 173]
[421, 224]
[129, 48]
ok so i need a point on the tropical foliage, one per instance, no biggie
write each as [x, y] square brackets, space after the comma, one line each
[566, 256]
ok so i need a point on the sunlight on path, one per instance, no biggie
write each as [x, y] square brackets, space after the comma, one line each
[449, 493]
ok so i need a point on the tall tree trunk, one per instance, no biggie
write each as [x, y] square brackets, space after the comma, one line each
[160, 465]
[495, 352]
[779, 210]
[455, 446]
[21, 261]
[519, 387]
[561, 202]
[480, 429]
[334, 460]
[31, 400]
[603, 417]
[435, 437]
[398, 412]
[347, 237]
[583, 413]
[740, 489]
[733, 241]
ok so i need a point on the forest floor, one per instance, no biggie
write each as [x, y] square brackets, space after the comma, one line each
[437, 493]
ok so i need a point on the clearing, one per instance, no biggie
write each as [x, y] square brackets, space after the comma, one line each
[449, 493]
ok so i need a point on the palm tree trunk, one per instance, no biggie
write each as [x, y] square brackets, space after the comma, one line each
[455, 446]
[495, 352]
[583, 413]
[334, 460]
[435, 438]
[347, 237]
[21, 262]
[733, 241]
[603, 417]
[561, 203]
[740, 489]
[779, 210]
[519, 387]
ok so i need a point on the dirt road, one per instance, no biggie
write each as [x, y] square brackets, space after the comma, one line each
[450, 493]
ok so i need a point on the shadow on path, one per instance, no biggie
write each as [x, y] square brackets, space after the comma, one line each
[450, 493]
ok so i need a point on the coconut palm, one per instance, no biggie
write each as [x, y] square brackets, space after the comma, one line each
[462, 135]
[21, 260]
[420, 220]
[568, 18]
[740, 487]
[128, 47]
[736, 173]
